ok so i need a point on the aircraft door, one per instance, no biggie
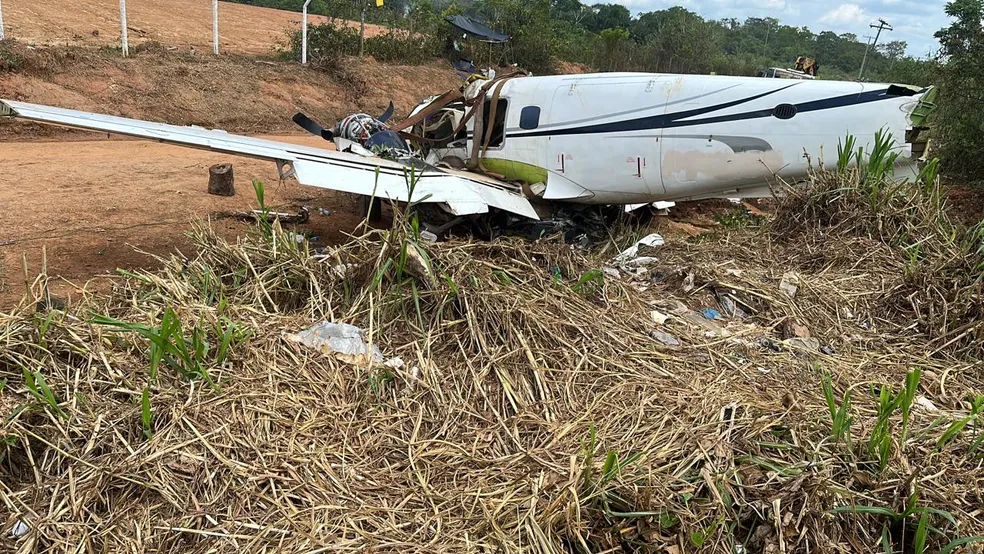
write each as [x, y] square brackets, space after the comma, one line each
[590, 144]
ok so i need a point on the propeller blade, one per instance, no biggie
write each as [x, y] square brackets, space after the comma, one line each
[387, 114]
[311, 126]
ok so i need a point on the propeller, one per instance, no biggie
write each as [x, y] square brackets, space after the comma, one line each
[387, 114]
[312, 126]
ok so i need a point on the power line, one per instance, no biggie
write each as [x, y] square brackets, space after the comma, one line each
[882, 24]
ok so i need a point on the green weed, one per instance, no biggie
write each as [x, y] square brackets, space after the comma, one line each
[952, 432]
[590, 282]
[926, 520]
[42, 392]
[881, 439]
[146, 416]
[840, 418]
[168, 344]
[599, 491]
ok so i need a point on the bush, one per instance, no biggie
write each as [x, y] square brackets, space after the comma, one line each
[10, 58]
[330, 42]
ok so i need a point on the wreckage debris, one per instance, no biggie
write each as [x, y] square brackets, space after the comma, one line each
[789, 284]
[302, 216]
[640, 253]
[342, 340]
[665, 338]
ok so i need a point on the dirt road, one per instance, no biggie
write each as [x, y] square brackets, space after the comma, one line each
[94, 205]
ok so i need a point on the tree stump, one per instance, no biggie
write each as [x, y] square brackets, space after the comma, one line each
[220, 180]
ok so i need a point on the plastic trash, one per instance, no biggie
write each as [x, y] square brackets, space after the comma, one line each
[340, 339]
[665, 338]
[789, 284]
[730, 307]
[926, 404]
[710, 313]
[639, 252]
[19, 529]
[659, 317]
[800, 343]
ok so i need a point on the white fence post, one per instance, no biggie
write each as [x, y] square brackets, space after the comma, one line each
[126, 44]
[215, 27]
[1, 21]
[303, 33]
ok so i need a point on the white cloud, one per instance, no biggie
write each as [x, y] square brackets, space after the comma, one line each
[914, 21]
[844, 14]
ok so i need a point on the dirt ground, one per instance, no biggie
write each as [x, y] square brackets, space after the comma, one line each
[182, 23]
[95, 206]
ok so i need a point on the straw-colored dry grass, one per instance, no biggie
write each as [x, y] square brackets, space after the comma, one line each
[532, 414]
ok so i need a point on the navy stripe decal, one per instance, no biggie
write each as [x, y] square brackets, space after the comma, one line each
[673, 120]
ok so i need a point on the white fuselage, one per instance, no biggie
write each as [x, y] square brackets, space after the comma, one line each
[626, 138]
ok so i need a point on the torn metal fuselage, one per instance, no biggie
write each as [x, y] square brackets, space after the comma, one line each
[634, 139]
[528, 146]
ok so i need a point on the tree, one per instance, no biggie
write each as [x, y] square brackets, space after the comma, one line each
[609, 16]
[894, 50]
[961, 120]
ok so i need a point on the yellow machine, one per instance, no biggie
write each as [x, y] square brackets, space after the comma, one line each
[807, 65]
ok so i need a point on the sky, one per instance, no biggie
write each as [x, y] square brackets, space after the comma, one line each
[913, 21]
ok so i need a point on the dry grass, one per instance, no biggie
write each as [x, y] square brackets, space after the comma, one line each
[532, 414]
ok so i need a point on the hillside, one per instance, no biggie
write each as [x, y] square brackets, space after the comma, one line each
[185, 24]
[237, 93]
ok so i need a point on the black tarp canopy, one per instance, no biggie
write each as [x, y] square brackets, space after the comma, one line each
[476, 29]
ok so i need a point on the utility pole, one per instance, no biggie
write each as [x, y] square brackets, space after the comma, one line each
[362, 29]
[215, 27]
[304, 33]
[123, 37]
[882, 24]
[1, 22]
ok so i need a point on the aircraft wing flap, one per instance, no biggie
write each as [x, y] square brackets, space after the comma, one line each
[319, 167]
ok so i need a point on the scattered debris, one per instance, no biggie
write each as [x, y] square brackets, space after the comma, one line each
[665, 338]
[710, 313]
[711, 329]
[800, 343]
[640, 253]
[730, 307]
[301, 216]
[926, 404]
[341, 339]
[789, 284]
[659, 317]
[19, 529]
[688, 282]
[768, 344]
[395, 363]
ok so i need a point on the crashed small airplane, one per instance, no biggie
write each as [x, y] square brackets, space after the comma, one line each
[524, 145]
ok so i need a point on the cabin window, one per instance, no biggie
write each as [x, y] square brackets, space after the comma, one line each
[498, 126]
[529, 118]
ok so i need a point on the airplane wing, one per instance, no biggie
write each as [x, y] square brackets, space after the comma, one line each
[461, 192]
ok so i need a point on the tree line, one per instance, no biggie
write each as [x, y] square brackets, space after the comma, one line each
[607, 37]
